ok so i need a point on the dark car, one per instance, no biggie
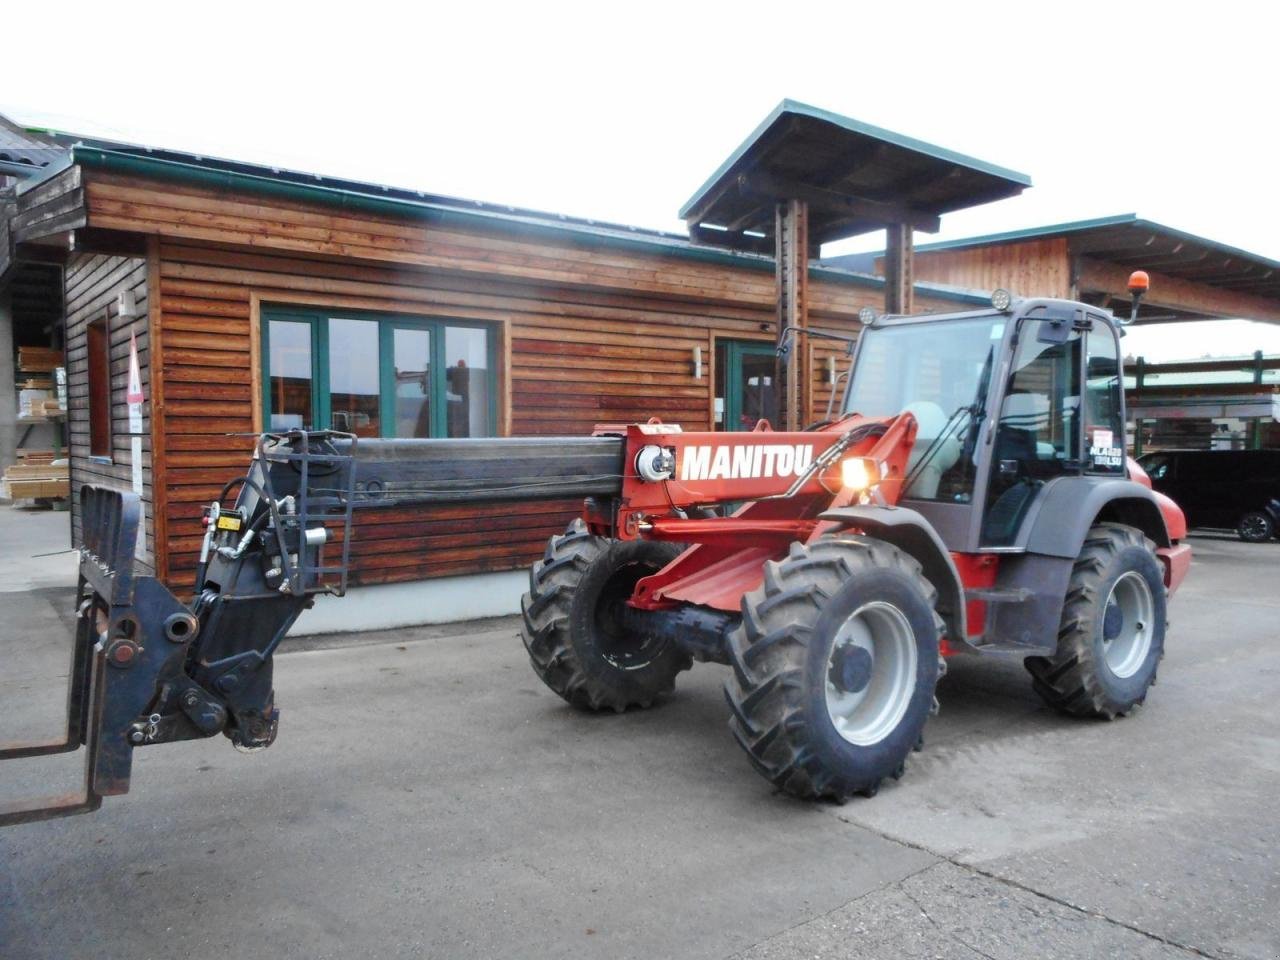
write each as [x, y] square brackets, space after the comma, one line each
[1236, 489]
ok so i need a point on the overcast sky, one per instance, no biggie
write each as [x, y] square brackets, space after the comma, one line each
[619, 111]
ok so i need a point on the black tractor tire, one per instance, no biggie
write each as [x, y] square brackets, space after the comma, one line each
[784, 661]
[1256, 527]
[571, 622]
[1082, 679]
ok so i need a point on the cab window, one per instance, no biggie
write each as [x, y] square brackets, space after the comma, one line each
[1104, 427]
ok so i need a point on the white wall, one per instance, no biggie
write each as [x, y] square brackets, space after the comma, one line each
[442, 600]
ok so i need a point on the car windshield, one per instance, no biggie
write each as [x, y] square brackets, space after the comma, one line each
[939, 371]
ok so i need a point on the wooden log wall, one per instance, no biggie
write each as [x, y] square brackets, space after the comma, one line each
[93, 282]
[1032, 268]
[586, 333]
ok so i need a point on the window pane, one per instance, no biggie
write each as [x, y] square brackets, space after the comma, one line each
[759, 399]
[290, 368]
[941, 373]
[353, 376]
[99, 358]
[1038, 432]
[412, 350]
[467, 391]
[1105, 444]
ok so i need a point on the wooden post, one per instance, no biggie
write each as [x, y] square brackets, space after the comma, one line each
[8, 384]
[792, 272]
[898, 285]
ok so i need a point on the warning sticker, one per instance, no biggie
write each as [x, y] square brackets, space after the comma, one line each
[1106, 456]
[228, 522]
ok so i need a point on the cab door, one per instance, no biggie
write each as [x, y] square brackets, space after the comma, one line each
[1038, 430]
[1062, 414]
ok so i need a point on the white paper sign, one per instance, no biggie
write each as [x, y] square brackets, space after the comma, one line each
[134, 394]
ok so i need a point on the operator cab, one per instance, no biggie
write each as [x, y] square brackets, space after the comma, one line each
[1007, 402]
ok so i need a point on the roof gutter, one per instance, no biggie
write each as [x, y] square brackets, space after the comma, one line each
[24, 170]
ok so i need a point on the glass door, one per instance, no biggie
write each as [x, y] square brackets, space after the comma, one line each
[745, 371]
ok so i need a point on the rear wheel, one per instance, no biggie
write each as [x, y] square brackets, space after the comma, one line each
[1111, 636]
[1255, 527]
[834, 667]
[573, 622]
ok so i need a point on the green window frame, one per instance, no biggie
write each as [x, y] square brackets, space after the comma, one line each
[318, 320]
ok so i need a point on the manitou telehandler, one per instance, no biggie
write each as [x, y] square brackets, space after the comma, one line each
[971, 496]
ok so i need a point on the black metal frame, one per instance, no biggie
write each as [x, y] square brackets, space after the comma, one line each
[129, 631]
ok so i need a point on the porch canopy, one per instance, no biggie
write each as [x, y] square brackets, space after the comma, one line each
[854, 178]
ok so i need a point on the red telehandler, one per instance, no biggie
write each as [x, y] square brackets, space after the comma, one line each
[972, 496]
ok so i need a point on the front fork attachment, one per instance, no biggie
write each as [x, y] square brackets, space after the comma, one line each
[120, 652]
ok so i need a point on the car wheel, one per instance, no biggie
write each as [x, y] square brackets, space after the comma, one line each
[1255, 527]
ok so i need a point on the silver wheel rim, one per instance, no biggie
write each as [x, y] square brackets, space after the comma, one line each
[866, 716]
[1126, 643]
[1254, 527]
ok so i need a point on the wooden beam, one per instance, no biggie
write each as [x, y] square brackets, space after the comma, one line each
[828, 201]
[848, 162]
[156, 387]
[898, 269]
[916, 181]
[111, 242]
[1171, 293]
[731, 239]
[792, 235]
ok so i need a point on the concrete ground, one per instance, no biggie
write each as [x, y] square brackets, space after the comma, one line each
[429, 798]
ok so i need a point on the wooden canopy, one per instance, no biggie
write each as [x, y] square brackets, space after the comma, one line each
[854, 178]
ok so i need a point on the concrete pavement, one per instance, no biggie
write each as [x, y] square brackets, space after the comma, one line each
[428, 797]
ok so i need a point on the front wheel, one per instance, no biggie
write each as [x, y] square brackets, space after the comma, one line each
[834, 667]
[1111, 636]
[573, 624]
[1255, 527]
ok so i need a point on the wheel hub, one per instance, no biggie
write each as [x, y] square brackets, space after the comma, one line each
[1112, 621]
[850, 670]
[1128, 624]
[871, 673]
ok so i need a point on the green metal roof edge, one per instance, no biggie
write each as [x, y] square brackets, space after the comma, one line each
[1031, 233]
[351, 200]
[854, 126]
[1081, 226]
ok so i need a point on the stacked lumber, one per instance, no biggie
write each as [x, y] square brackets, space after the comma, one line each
[33, 481]
[39, 359]
[38, 405]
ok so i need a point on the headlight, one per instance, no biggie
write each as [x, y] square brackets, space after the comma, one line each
[655, 464]
[860, 473]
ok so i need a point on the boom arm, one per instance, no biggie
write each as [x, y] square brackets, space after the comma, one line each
[148, 668]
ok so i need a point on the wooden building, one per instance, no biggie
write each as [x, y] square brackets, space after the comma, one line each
[1192, 278]
[258, 299]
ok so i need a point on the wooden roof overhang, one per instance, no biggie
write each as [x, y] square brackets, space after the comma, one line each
[854, 177]
[1192, 278]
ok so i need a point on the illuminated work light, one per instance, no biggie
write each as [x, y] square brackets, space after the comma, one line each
[859, 473]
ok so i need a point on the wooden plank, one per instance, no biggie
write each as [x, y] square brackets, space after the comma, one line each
[1170, 293]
